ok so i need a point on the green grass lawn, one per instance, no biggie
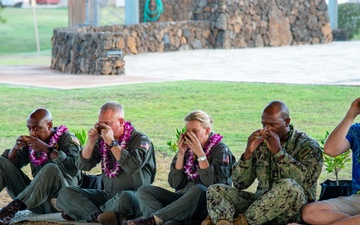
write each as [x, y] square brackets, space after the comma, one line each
[17, 35]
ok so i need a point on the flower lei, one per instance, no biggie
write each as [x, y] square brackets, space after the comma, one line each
[191, 166]
[113, 171]
[41, 158]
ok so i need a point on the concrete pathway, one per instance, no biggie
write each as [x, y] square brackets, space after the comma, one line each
[337, 63]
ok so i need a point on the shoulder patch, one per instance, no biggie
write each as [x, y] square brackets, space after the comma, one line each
[226, 158]
[145, 144]
[304, 152]
[75, 140]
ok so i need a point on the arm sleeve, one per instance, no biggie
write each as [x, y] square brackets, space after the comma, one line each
[244, 173]
[22, 158]
[68, 148]
[221, 161]
[139, 152]
[88, 164]
[306, 163]
[353, 134]
[177, 178]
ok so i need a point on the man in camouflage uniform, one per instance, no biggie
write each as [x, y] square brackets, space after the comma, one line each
[286, 163]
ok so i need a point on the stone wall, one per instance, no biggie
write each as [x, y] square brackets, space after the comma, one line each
[256, 23]
[259, 23]
[199, 24]
[84, 49]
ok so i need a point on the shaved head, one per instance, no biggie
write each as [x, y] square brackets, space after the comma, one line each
[40, 114]
[277, 108]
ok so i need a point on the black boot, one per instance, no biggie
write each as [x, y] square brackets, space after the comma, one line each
[65, 216]
[9, 211]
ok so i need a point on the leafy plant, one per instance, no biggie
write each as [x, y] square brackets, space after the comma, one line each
[334, 164]
[349, 18]
[82, 136]
[173, 145]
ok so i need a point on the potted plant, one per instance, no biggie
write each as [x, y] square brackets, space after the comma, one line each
[333, 165]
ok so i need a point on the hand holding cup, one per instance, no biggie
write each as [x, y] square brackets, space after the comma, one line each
[99, 128]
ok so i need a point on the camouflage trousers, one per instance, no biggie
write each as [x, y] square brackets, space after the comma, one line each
[280, 205]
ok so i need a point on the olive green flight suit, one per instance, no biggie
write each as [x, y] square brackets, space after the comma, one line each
[48, 179]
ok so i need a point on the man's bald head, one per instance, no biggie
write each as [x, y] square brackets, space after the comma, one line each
[40, 114]
[278, 108]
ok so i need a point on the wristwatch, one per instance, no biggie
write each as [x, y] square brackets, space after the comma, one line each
[202, 158]
[113, 143]
[280, 153]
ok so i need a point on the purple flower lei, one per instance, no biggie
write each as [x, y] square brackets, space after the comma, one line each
[191, 166]
[43, 157]
[113, 171]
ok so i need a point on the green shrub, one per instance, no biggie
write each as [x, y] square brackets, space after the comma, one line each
[349, 18]
[173, 145]
[82, 136]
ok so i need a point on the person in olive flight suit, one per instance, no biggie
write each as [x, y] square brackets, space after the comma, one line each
[202, 159]
[286, 164]
[127, 160]
[51, 152]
